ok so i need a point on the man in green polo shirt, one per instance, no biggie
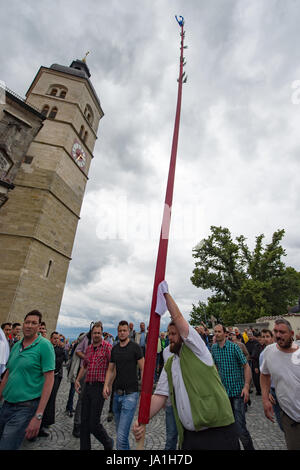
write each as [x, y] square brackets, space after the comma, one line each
[26, 385]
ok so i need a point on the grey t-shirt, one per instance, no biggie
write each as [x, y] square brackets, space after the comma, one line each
[284, 369]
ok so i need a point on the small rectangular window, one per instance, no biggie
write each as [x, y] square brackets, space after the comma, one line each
[27, 160]
[49, 267]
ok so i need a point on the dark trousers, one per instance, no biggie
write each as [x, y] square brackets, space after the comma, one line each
[91, 409]
[49, 413]
[255, 377]
[221, 438]
[291, 431]
[69, 405]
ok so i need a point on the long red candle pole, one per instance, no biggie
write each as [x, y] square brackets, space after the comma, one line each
[152, 339]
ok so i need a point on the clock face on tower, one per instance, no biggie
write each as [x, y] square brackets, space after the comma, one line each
[78, 154]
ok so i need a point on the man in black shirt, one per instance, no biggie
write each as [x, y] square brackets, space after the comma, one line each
[125, 356]
[49, 413]
[254, 349]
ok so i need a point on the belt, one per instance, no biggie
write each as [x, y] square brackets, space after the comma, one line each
[23, 403]
[94, 383]
[124, 392]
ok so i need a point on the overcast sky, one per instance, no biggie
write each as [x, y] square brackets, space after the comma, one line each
[239, 141]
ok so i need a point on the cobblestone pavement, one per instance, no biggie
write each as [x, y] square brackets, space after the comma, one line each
[265, 435]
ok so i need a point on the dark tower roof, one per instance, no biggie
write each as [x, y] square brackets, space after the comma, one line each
[79, 69]
[81, 65]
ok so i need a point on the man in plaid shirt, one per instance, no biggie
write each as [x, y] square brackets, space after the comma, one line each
[235, 374]
[95, 365]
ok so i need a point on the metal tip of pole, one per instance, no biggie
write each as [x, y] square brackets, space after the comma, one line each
[181, 21]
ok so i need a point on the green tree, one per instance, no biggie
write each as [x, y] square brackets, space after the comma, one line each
[198, 314]
[246, 284]
[203, 313]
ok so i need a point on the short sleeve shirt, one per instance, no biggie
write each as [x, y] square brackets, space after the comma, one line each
[284, 369]
[230, 361]
[96, 361]
[26, 370]
[125, 358]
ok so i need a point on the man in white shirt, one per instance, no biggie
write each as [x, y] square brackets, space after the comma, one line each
[4, 352]
[216, 436]
[281, 361]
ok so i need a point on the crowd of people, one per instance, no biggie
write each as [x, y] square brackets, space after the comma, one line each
[203, 379]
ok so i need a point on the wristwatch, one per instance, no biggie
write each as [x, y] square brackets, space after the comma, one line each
[39, 416]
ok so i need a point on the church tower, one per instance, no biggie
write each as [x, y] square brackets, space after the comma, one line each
[39, 221]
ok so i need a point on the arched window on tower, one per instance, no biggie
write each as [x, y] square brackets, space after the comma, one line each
[81, 131]
[85, 136]
[60, 91]
[45, 110]
[89, 114]
[53, 113]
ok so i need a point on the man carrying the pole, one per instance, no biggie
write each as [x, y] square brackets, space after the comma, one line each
[201, 406]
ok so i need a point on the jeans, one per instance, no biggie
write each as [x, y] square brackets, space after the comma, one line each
[124, 408]
[171, 429]
[238, 408]
[14, 419]
[276, 408]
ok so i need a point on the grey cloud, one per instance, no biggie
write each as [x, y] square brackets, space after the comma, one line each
[242, 56]
[90, 258]
[91, 254]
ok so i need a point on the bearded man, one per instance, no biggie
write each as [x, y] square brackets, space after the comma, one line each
[281, 361]
[95, 365]
[202, 409]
